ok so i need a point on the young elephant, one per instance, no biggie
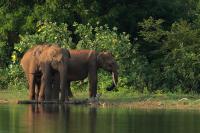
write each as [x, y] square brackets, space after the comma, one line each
[39, 63]
[31, 69]
[85, 63]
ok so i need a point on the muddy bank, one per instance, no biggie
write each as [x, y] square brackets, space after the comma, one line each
[153, 105]
[183, 103]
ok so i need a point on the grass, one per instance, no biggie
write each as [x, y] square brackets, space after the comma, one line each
[12, 95]
[127, 99]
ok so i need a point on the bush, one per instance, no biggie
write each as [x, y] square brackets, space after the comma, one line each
[47, 32]
[12, 77]
[4, 60]
[174, 54]
[3, 78]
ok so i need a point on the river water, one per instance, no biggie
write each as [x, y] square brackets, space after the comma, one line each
[86, 119]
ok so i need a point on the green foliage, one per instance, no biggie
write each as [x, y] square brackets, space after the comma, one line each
[152, 31]
[12, 77]
[181, 67]
[102, 38]
[47, 32]
[3, 78]
[4, 58]
[179, 64]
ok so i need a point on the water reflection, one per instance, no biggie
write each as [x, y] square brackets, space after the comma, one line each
[47, 118]
[84, 119]
[60, 118]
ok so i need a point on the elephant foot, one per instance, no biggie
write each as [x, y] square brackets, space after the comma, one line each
[32, 97]
[40, 99]
[67, 99]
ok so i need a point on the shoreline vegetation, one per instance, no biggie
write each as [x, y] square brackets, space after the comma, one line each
[131, 100]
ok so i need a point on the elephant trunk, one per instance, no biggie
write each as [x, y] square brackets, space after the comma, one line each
[115, 81]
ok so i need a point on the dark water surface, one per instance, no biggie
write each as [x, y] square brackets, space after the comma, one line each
[85, 119]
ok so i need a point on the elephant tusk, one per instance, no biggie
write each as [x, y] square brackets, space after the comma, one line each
[113, 77]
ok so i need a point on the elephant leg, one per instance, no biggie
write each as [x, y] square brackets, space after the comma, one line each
[55, 93]
[92, 77]
[27, 78]
[45, 83]
[48, 89]
[55, 87]
[42, 87]
[69, 89]
[63, 84]
[31, 82]
[37, 90]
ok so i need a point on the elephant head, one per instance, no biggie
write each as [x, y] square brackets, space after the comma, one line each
[107, 62]
[52, 58]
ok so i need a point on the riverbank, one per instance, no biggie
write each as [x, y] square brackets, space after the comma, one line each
[156, 103]
[123, 99]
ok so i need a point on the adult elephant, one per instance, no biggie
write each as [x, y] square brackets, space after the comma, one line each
[85, 63]
[39, 64]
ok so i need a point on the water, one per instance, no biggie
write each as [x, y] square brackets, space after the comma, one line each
[84, 119]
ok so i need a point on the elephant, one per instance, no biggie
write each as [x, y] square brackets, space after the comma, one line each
[85, 63]
[40, 63]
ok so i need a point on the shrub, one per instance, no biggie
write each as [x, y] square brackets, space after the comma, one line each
[175, 53]
[47, 32]
[12, 77]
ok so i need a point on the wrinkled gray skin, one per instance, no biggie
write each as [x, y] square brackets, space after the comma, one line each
[85, 63]
[40, 63]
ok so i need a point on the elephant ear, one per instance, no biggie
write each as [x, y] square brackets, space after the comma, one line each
[68, 53]
[100, 58]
